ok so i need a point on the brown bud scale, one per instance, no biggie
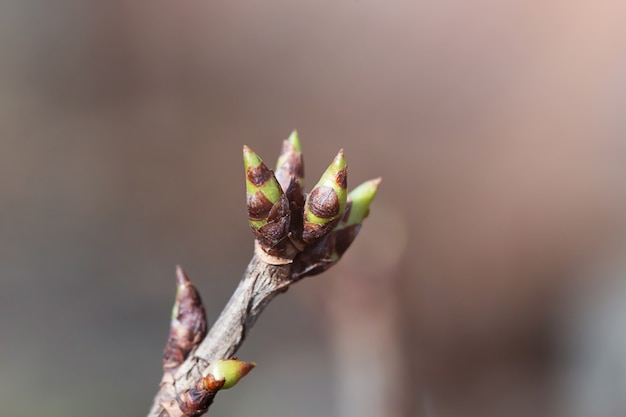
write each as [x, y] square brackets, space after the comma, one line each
[271, 234]
[278, 210]
[259, 206]
[343, 238]
[188, 327]
[324, 203]
[212, 384]
[315, 259]
[324, 253]
[195, 402]
[292, 166]
[312, 231]
[259, 174]
[342, 178]
[295, 196]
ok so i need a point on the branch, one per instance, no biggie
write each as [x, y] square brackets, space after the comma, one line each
[261, 282]
[296, 236]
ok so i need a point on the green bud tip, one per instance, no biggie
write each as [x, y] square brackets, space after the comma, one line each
[294, 140]
[250, 158]
[333, 174]
[259, 177]
[225, 373]
[360, 200]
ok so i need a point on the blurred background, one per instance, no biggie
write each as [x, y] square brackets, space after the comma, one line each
[489, 280]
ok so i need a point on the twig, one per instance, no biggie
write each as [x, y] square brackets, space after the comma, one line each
[261, 282]
[296, 236]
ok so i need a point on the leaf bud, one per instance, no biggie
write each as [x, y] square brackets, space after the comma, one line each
[325, 204]
[268, 207]
[225, 373]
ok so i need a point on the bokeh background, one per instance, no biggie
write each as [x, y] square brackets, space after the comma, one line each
[489, 280]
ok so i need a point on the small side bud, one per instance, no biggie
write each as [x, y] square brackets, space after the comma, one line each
[225, 373]
[188, 326]
[268, 207]
[326, 203]
[358, 204]
[357, 209]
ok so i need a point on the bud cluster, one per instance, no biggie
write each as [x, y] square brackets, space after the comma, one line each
[314, 229]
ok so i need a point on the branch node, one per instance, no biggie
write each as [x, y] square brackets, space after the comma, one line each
[270, 259]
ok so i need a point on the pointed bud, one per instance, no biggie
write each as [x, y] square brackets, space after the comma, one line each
[358, 205]
[268, 207]
[188, 325]
[259, 177]
[290, 175]
[290, 163]
[326, 203]
[225, 373]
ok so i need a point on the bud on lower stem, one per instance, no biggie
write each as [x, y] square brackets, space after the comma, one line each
[222, 374]
[225, 373]
[188, 326]
[325, 204]
[194, 402]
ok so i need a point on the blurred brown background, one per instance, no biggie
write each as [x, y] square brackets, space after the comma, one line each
[483, 283]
